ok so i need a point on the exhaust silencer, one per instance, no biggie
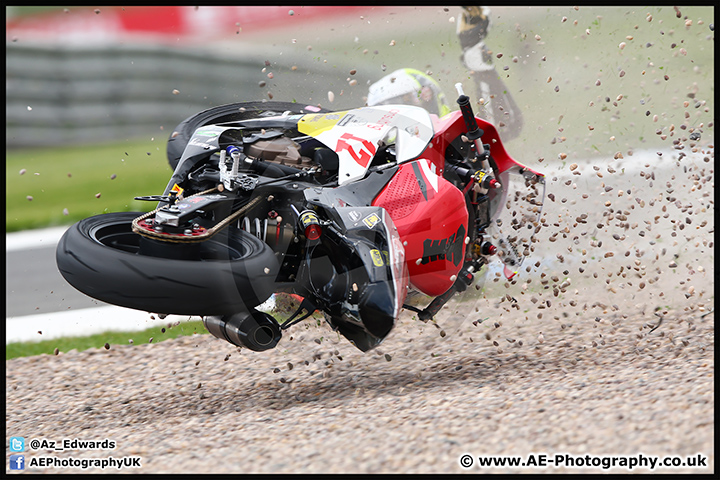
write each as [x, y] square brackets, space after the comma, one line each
[257, 331]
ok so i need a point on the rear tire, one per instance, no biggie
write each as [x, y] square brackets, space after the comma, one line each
[101, 256]
[232, 112]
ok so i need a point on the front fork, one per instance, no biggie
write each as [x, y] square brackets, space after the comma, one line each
[480, 181]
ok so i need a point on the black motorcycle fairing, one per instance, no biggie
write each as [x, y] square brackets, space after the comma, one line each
[285, 122]
[356, 272]
[357, 335]
[210, 139]
[204, 142]
[225, 114]
[352, 194]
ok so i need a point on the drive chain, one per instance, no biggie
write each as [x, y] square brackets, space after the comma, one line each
[164, 237]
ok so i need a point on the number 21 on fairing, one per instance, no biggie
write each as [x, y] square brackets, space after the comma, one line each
[360, 150]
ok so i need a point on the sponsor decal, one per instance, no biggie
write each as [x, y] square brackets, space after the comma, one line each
[207, 132]
[350, 118]
[377, 258]
[371, 220]
[316, 123]
[385, 120]
[450, 249]
[197, 142]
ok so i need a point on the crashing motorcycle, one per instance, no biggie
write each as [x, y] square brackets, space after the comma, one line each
[350, 212]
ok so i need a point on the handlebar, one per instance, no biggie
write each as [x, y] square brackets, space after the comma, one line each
[474, 132]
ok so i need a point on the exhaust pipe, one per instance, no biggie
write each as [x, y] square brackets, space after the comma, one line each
[257, 331]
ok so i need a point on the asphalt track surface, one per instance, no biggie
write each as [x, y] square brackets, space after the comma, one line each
[41, 305]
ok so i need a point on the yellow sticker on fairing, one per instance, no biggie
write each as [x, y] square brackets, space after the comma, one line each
[377, 258]
[177, 189]
[314, 124]
[371, 220]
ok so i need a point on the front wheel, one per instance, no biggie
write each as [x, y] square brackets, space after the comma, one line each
[103, 258]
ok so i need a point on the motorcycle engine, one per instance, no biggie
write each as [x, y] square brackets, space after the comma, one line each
[282, 150]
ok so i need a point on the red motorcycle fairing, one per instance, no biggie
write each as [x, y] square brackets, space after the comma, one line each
[451, 126]
[431, 217]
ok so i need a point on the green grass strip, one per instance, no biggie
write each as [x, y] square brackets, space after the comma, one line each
[100, 340]
[47, 187]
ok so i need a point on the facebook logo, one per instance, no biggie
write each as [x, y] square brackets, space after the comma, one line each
[17, 462]
[17, 444]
